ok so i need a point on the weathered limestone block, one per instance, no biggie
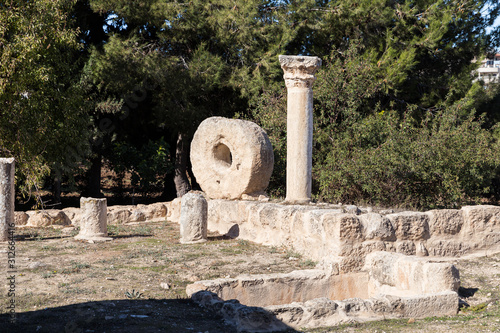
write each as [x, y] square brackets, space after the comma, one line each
[350, 227]
[21, 218]
[284, 288]
[231, 157]
[490, 240]
[193, 220]
[352, 209]
[410, 225]
[377, 227]
[299, 77]
[7, 196]
[287, 217]
[48, 217]
[447, 248]
[421, 249]
[74, 214]
[481, 218]
[155, 211]
[406, 247]
[353, 255]
[137, 215]
[224, 215]
[313, 225]
[149, 212]
[398, 274]
[174, 210]
[93, 223]
[119, 214]
[444, 303]
[445, 221]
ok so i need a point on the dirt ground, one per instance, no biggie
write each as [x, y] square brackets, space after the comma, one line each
[136, 283]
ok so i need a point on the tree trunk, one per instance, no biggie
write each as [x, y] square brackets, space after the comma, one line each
[194, 184]
[56, 189]
[93, 189]
[181, 181]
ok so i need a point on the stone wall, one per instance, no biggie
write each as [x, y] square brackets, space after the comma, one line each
[71, 216]
[346, 234]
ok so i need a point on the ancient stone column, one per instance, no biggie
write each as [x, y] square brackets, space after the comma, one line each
[6, 197]
[94, 220]
[299, 78]
[193, 220]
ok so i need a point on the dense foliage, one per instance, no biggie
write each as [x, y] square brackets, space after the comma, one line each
[43, 119]
[398, 117]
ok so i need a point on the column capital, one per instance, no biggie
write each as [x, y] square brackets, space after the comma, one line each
[299, 70]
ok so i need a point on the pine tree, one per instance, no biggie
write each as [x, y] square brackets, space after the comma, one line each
[202, 58]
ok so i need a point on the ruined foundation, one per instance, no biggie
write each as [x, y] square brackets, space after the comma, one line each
[372, 265]
[389, 286]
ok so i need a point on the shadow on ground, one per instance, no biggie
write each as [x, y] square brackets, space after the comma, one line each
[124, 316]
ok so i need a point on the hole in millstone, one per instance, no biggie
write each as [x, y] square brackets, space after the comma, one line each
[223, 154]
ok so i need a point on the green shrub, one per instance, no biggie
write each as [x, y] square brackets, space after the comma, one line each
[443, 161]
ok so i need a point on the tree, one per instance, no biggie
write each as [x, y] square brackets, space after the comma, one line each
[202, 59]
[396, 75]
[43, 122]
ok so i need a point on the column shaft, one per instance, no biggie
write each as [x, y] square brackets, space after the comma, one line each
[299, 144]
[6, 196]
[299, 78]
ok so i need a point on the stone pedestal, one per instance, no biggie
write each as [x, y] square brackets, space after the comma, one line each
[299, 78]
[94, 221]
[193, 220]
[6, 197]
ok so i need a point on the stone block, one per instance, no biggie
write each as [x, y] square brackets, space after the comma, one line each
[410, 225]
[74, 215]
[174, 211]
[445, 221]
[20, 218]
[441, 304]
[153, 211]
[377, 227]
[119, 215]
[406, 247]
[352, 209]
[402, 275]
[481, 218]
[48, 217]
[137, 215]
[447, 248]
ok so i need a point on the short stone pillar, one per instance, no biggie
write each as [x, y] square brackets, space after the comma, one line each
[6, 197]
[193, 220]
[94, 220]
[299, 78]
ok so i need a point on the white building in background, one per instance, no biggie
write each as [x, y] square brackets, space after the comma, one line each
[489, 70]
